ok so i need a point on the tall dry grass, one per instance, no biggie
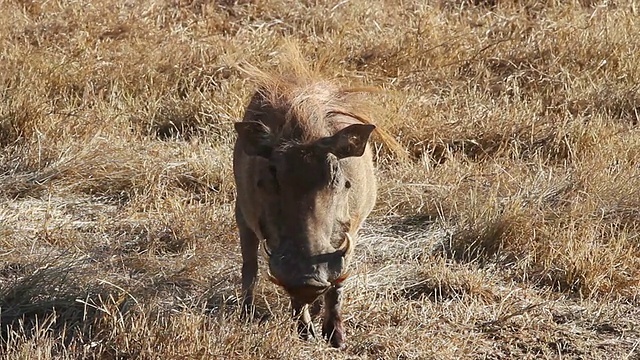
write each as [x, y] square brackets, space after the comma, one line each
[511, 232]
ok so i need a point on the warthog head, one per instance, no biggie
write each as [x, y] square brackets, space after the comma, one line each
[302, 192]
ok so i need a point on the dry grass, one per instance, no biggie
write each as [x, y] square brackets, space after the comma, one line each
[512, 232]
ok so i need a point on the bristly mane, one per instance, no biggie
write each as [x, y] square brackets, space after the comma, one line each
[304, 103]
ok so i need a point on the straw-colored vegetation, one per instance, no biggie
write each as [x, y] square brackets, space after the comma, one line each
[511, 231]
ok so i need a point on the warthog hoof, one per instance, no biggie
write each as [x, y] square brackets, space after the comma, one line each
[333, 331]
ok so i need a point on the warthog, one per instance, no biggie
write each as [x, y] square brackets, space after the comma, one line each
[305, 183]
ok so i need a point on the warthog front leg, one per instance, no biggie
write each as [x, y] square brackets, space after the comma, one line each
[332, 328]
[249, 247]
[303, 318]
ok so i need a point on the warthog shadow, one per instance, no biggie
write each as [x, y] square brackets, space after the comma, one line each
[45, 301]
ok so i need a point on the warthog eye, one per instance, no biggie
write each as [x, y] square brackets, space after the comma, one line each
[268, 182]
[347, 184]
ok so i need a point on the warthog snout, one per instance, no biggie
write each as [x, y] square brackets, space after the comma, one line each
[308, 291]
[306, 279]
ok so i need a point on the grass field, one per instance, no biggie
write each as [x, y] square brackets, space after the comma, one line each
[509, 229]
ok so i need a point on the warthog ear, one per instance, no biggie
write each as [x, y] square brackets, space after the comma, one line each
[255, 138]
[350, 141]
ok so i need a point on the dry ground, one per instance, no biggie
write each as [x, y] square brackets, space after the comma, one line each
[511, 231]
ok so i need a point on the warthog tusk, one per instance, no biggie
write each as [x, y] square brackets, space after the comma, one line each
[273, 279]
[267, 253]
[341, 279]
[346, 245]
[266, 248]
